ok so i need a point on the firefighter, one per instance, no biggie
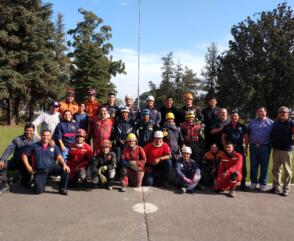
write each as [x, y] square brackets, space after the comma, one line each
[69, 103]
[229, 170]
[133, 163]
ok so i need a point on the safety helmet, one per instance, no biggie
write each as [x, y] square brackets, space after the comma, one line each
[150, 97]
[81, 132]
[145, 112]
[190, 114]
[158, 134]
[188, 96]
[106, 143]
[124, 109]
[131, 137]
[170, 115]
[187, 149]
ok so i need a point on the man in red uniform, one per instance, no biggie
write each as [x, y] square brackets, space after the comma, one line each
[229, 171]
[79, 157]
[133, 162]
[159, 162]
[100, 129]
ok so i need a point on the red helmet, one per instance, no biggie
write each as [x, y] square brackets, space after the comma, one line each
[81, 132]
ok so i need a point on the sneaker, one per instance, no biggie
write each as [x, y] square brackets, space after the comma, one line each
[183, 190]
[123, 189]
[262, 188]
[274, 190]
[232, 193]
[4, 189]
[63, 192]
[252, 186]
[284, 193]
[109, 188]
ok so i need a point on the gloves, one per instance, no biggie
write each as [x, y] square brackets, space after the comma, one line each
[233, 176]
[133, 165]
[103, 168]
[102, 179]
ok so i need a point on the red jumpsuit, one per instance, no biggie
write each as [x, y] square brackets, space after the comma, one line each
[138, 155]
[229, 165]
[78, 158]
[100, 131]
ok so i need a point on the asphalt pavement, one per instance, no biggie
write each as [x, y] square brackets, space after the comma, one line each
[144, 214]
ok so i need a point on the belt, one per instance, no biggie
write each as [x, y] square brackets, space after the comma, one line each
[259, 144]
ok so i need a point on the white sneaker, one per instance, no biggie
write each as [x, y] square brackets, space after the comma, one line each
[253, 186]
[263, 188]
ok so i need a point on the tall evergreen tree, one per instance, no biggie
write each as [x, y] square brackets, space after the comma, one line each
[91, 55]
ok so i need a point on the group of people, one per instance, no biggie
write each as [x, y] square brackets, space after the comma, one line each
[97, 143]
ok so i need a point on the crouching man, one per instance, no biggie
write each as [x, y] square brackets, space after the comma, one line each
[229, 171]
[103, 166]
[80, 155]
[44, 164]
[188, 172]
[133, 163]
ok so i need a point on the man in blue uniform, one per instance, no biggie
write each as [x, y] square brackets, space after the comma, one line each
[44, 157]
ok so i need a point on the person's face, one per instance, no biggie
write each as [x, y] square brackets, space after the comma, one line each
[128, 101]
[67, 116]
[91, 97]
[235, 117]
[283, 115]
[70, 98]
[186, 156]
[80, 139]
[214, 148]
[111, 99]
[229, 148]
[169, 103]
[188, 102]
[46, 137]
[125, 115]
[82, 108]
[103, 113]
[132, 143]
[170, 121]
[105, 149]
[54, 109]
[223, 114]
[261, 113]
[212, 103]
[190, 119]
[158, 141]
[146, 118]
[28, 133]
[150, 103]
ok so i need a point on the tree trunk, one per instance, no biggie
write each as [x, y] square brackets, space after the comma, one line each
[11, 117]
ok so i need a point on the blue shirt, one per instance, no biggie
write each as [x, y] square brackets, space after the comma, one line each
[43, 157]
[235, 135]
[82, 120]
[260, 131]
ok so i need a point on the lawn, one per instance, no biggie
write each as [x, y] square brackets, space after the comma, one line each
[8, 133]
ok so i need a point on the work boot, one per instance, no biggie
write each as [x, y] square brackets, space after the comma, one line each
[4, 189]
[123, 189]
[63, 192]
[232, 193]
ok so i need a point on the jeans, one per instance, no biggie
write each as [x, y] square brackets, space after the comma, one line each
[259, 156]
[159, 174]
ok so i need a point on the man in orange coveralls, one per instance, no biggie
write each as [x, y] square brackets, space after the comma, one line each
[229, 171]
[79, 158]
[69, 103]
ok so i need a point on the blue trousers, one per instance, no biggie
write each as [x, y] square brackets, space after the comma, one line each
[259, 157]
[41, 177]
[159, 174]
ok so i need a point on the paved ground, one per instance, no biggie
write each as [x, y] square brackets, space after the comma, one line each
[145, 214]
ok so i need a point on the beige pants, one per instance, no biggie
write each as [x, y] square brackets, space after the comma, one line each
[282, 169]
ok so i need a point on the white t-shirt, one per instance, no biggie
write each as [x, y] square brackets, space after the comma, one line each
[48, 121]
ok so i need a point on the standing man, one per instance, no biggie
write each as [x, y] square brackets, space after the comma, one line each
[282, 137]
[130, 105]
[48, 120]
[259, 131]
[188, 100]
[111, 107]
[44, 164]
[168, 108]
[210, 115]
[236, 133]
[92, 104]
[69, 103]
[17, 146]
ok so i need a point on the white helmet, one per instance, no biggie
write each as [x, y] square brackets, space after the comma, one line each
[187, 149]
[150, 97]
[158, 134]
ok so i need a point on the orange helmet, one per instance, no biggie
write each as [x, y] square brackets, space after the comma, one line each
[106, 143]
[188, 96]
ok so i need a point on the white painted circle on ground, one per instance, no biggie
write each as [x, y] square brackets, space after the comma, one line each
[142, 189]
[147, 208]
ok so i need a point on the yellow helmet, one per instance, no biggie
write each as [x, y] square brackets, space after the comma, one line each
[131, 137]
[190, 114]
[170, 115]
[188, 96]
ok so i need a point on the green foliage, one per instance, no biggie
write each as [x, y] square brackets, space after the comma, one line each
[258, 68]
[91, 56]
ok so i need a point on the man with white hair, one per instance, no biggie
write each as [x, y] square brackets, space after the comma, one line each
[282, 137]
[130, 105]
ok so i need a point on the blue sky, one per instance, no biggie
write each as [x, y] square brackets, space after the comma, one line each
[185, 27]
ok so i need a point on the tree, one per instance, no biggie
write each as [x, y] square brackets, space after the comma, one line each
[91, 55]
[209, 73]
[258, 68]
